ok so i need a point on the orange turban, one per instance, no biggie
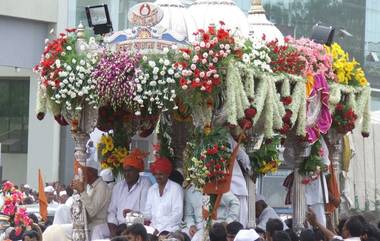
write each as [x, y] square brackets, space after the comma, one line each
[135, 159]
[162, 164]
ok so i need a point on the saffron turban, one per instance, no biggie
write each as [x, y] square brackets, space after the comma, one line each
[135, 159]
[162, 164]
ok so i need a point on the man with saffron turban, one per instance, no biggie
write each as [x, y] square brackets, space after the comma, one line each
[164, 205]
[128, 195]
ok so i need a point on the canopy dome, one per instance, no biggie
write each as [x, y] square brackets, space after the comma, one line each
[177, 19]
[259, 25]
[206, 12]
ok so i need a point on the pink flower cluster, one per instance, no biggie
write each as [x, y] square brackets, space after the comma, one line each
[12, 199]
[317, 61]
[115, 75]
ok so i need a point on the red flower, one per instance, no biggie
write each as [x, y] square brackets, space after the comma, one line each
[211, 29]
[185, 50]
[287, 100]
[182, 81]
[339, 107]
[245, 123]
[206, 37]
[250, 113]
[70, 30]
[213, 150]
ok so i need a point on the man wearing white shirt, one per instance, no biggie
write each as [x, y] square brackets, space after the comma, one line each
[238, 183]
[164, 205]
[127, 195]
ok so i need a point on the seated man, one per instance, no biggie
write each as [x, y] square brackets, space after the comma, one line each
[196, 211]
[95, 201]
[264, 212]
[127, 195]
[164, 205]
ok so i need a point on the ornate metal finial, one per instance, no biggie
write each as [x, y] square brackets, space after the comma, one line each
[80, 30]
[256, 7]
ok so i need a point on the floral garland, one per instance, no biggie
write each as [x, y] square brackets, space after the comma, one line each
[12, 200]
[155, 84]
[347, 72]
[65, 74]
[356, 98]
[266, 159]
[344, 118]
[115, 78]
[210, 149]
[111, 154]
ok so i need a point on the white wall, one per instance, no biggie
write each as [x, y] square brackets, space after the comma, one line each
[14, 167]
[43, 143]
[40, 10]
[364, 173]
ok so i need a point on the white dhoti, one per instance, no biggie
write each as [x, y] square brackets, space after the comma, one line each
[100, 231]
[243, 219]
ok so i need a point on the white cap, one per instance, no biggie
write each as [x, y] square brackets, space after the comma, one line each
[246, 235]
[61, 193]
[26, 186]
[49, 189]
[259, 197]
[92, 164]
[106, 175]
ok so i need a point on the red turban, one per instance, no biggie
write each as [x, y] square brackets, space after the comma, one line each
[162, 164]
[135, 159]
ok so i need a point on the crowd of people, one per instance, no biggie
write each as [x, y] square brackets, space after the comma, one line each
[161, 207]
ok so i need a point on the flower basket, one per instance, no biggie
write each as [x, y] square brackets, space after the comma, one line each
[222, 185]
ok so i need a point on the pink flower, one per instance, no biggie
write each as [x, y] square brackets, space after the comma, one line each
[7, 186]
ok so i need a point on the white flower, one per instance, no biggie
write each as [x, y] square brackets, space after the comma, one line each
[58, 63]
[155, 70]
[184, 87]
[82, 47]
[82, 62]
[202, 44]
[166, 62]
[174, 47]
[221, 46]
[80, 93]
[193, 66]
[162, 73]
[171, 71]
[145, 58]
[246, 58]
[152, 64]
[202, 74]
[203, 88]
[73, 61]
[204, 61]
[197, 48]
[205, 55]
[227, 46]
[69, 48]
[161, 61]
[153, 83]
[165, 50]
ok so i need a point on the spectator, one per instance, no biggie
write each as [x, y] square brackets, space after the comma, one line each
[260, 232]
[307, 235]
[232, 229]
[248, 235]
[281, 236]
[31, 236]
[136, 232]
[218, 232]
[272, 226]
[353, 229]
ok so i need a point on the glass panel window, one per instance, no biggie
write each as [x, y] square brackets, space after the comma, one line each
[14, 114]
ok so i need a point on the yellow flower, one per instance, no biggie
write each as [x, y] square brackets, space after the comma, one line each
[103, 165]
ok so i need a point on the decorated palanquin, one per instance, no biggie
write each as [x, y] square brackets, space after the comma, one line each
[196, 90]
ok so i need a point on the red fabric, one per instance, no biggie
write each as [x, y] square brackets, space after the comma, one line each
[162, 164]
[135, 159]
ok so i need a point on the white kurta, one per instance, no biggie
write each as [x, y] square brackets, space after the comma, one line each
[123, 198]
[165, 212]
[238, 183]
